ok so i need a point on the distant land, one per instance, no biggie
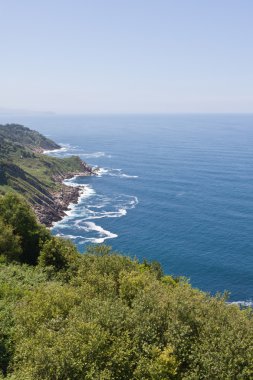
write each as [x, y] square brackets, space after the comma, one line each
[26, 170]
[5, 111]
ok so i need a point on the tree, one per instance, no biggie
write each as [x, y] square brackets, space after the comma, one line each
[10, 247]
[16, 212]
[58, 253]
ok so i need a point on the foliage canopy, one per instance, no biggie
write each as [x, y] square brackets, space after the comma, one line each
[102, 315]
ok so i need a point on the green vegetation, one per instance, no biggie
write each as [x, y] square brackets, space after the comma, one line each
[25, 170]
[22, 136]
[102, 315]
[22, 226]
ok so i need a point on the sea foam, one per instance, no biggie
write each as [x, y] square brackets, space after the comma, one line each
[103, 234]
[114, 173]
[94, 155]
[78, 223]
[53, 151]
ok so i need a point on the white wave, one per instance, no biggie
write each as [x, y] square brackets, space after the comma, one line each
[72, 237]
[61, 225]
[95, 155]
[118, 207]
[98, 241]
[99, 206]
[122, 211]
[128, 176]
[68, 146]
[113, 173]
[92, 215]
[134, 202]
[101, 171]
[107, 234]
[60, 151]
[109, 214]
[53, 151]
[86, 192]
[72, 181]
[91, 206]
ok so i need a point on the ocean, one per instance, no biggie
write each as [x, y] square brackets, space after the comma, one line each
[173, 188]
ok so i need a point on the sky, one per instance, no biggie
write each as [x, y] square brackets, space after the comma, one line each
[126, 56]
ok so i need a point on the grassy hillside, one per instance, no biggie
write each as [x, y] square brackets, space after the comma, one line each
[25, 170]
[104, 316]
[18, 134]
[20, 158]
[38, 171]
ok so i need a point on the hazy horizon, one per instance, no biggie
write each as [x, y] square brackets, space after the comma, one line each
[134, 57]
[48, 113]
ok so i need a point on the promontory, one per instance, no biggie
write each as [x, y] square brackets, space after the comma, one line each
[38, 177]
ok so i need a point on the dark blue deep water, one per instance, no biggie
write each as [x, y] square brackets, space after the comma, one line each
[177, 189]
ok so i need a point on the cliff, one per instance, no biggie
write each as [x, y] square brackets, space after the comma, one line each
[26, 170]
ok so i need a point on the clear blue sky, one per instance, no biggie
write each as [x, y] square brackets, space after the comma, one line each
[106, 56]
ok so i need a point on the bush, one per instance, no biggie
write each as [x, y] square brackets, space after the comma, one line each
[102, 316]
[10, 247]
[16, 212]
[58, 253]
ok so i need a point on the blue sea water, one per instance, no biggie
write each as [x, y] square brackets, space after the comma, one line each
[172, 188]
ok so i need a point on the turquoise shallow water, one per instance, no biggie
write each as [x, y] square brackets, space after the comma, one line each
[177, 189]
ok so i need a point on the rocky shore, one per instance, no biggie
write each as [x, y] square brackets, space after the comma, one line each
[57, 203]
[55, 207]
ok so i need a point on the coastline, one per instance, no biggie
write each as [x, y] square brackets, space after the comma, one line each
[79, 191]
[57, 204]
[54, 210]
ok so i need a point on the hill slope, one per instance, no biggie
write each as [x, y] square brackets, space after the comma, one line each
[104, 316]
[19, 134]
[26, 170]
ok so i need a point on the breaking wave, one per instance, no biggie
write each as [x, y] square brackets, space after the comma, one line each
[69, 150]
[95, 155]
[101, 232]
[56, 152]
[114, 173]
[78, 224]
